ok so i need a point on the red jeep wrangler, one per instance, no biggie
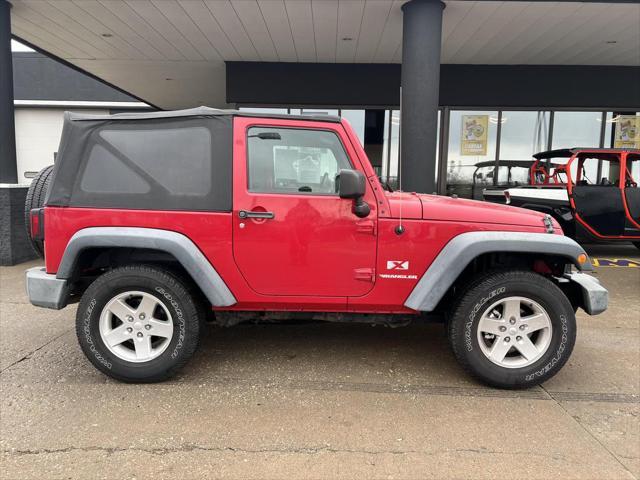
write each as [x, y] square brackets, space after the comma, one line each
[156, 221]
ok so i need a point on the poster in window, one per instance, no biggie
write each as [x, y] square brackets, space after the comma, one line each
[474, 134]
[627, 132]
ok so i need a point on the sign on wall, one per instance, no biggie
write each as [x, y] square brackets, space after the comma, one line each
[627, 132]
[474, 134]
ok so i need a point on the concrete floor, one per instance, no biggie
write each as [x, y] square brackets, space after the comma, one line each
[319, 401]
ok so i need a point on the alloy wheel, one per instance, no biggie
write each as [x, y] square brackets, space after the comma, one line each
[514, 332]
[136, 326]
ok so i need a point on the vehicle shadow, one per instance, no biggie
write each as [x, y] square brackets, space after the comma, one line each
[326, 352]
[612, 250]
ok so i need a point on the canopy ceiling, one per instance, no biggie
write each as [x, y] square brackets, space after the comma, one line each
[172, 53]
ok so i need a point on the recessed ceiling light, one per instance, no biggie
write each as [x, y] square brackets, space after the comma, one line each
[107, 35]
[347, 39]
[611, 42]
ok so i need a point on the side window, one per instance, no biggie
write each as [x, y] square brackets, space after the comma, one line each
[294, 161]
[169, 161]
[610, 172]
[178, 159]
[603, 170]
[589, 172]
[106, 173]
[633, 171]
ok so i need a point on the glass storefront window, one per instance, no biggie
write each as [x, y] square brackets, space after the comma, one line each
[512, 174]
[608, 131]
[356, 120]
[523, 134]
[472, 140]
[437, 152]
[391, 152]
[626, 130]
[384, 169]
[576, 129]
[264, 110]
[320, 111]
[394, 149]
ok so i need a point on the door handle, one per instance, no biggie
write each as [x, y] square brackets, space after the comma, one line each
[263, 215]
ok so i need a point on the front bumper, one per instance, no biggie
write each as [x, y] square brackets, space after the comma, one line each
[595, 298]
[45, 290]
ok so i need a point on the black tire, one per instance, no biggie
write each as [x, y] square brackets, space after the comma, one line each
[35, 199]
[178, 297]
[636, 244]
[475, 300]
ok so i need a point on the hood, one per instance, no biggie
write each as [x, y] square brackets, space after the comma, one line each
[435, 207]
[405, 205]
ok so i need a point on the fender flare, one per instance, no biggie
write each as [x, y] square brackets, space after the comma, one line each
[177, 244]
[462, 249]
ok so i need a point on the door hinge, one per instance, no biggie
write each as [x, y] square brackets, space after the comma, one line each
[366, 226]
[365, 274]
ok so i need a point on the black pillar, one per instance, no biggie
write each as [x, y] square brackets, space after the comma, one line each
[421, 44]
[8, 167]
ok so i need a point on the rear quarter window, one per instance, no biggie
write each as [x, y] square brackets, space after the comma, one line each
[159, 164]
[178, 159]
[106, 173]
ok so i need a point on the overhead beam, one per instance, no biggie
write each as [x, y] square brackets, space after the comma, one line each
[378, 85]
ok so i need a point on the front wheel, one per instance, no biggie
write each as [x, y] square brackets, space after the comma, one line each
[512, 329]
[138, 324]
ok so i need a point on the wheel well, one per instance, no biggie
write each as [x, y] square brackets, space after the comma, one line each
[93, 262]
[549, 266]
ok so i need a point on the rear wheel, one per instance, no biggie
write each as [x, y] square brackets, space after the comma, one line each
[35, 199]
[512, 329]
[138, 324]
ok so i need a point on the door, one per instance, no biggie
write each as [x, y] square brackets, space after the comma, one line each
[292, 233]
[632, 193]
[597, 195]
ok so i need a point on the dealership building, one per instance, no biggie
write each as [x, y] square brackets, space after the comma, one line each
[441, 85]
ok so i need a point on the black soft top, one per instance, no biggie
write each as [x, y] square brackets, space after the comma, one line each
[569, 152]
[195, 112]
[505, 163]
[166, 160]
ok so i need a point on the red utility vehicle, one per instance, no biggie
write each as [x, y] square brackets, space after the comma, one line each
[157, 221]
[592, 192]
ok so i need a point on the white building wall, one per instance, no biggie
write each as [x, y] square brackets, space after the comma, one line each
[38, 133]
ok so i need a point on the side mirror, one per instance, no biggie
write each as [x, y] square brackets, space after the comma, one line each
[352, 184]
